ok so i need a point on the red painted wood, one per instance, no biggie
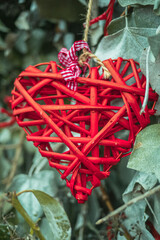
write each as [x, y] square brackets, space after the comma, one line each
[87, 121]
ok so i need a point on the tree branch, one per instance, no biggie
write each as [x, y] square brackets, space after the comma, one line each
[129, 203]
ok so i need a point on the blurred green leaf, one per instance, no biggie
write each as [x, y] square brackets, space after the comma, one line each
[22, 21]
[55, 215]
[157, 7]
[2, 44]
[146, 152]
[4, 232]
[5, 135]
[21, 44]
[5, 166]
[3, 27]
[125, 3]
[36, 41]
[44, 181]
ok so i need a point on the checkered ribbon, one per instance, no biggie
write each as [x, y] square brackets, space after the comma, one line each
[69, 59]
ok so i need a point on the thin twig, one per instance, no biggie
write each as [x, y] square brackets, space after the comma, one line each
[17, 205]
[129, 203]
[18, 150]
[123, 13]
[88, 16]
[9, 146]
[106, 199]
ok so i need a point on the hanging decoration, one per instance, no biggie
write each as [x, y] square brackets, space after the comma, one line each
[88, 121]
[86, 113]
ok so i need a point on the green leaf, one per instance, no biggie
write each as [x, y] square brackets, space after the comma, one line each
[154, 42]
[3, 45]
[22, 21]
[145, 17]
[55, 215]
[146, 152]
[44, 181]
[141, 17]
[3, 27]
[127, 43]
[21, 42]
[4, 232]
[128, 38]
[154, 69]
[45, 229]
[118, 24]
[125, 3]
[5, 135]
[157, 7]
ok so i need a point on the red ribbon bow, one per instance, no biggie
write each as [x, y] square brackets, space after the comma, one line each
[69, 59]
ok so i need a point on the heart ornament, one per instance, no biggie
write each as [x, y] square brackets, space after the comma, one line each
[89, 121]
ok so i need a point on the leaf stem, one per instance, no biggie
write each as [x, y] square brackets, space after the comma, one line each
[17, 205]
[129, 203]
[147, 83]
[126, 17]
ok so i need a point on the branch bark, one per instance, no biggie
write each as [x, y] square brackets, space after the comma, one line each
[129, 203]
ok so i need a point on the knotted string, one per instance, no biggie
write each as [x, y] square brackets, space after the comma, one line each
[69, 59]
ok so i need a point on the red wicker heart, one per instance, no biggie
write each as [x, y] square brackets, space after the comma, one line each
[87, 121]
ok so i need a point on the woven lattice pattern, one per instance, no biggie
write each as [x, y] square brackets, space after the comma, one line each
[90, 121]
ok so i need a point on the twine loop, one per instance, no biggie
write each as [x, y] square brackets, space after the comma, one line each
[70, 60]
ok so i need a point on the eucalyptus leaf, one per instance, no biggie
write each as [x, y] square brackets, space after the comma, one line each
[36, 41]
[3, 27]
[5, 166]
[153, 68]
[46, 230]
[125, 3]
[55, 215]
[44, 181]
[141, 182]
[144, 17]
[126, 43]
[117, 24]
[141, 17]
[146, 152]
[101, 3]
[154, 42]
[136, 216]
[157, 7]
[4, 233]
[128, 36]
[22, 21]
[21, 44]
[156, 207]
[5, 135]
